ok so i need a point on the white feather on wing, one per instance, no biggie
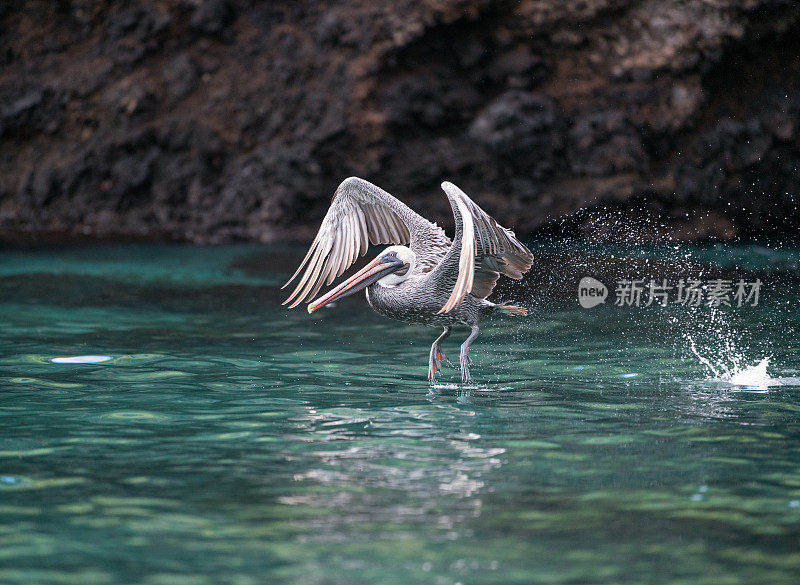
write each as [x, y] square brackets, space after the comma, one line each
[487, 250]
[361, 213]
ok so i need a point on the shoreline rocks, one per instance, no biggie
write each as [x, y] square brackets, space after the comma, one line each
[235, 120]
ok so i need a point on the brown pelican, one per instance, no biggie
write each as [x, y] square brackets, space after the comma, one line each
[432, 282]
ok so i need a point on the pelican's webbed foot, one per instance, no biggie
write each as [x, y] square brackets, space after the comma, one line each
[436, 357]
[465, 361]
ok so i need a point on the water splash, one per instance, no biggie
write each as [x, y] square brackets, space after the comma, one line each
[730, 368]
[754, 376]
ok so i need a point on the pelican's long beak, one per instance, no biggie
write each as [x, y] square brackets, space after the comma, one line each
[372, 272]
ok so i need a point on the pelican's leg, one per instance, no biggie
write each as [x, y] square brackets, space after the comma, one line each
[434, 363]
[465, 361]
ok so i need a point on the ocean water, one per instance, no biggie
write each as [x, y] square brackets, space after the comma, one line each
[164, 420]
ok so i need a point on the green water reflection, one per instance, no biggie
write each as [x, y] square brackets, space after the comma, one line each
[229, 440]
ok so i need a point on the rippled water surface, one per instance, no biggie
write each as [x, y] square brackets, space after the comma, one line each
[217, 438]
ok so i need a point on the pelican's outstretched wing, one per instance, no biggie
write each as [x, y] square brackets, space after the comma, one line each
[482, 250]
[361, 213]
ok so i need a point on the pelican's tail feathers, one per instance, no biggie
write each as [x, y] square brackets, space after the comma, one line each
[515, 310]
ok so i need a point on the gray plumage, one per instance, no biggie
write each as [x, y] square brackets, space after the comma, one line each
[446, 282]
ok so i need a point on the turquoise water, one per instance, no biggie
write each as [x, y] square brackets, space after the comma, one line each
[227, 440]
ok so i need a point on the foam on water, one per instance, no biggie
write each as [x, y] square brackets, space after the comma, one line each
[81, 359]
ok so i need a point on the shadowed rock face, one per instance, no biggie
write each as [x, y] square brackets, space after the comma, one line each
[215, 120]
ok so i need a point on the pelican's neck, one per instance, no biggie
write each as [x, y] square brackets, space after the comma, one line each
[379, 297]
[369, 296]
[379, 293]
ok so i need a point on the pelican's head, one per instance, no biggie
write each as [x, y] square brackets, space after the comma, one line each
[390, 268]
[409, 260]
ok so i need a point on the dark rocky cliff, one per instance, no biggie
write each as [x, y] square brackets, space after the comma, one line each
[213, 120]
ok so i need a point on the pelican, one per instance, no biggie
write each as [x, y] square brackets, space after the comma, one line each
[422, 278]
